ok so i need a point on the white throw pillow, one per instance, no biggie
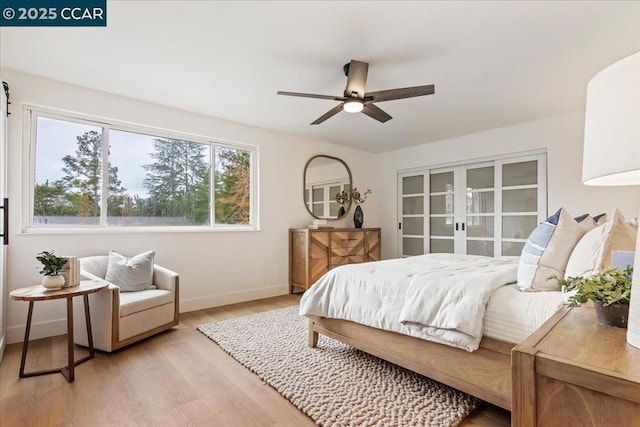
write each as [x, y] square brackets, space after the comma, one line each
[593, 251]
[547, 252]
[133, 274]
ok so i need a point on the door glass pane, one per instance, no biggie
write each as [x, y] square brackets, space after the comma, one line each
[318, 209]
[480, 202]
[441, 204]
[512, 248]
[412, 246]
[480, 178]
[521, 173]
[413, 205]
[441, 226]
[440, 182]
[413, 184]
[413, 226]
[441, 246]
[520, 200]
[518, 227]
[479, 226]
[480, 247]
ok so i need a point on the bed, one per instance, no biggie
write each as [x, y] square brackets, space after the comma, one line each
[362, 304]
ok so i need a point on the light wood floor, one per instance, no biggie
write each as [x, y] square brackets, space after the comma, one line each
[176, 378]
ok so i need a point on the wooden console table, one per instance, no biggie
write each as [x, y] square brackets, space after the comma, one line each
[574, 372]
[40, 293]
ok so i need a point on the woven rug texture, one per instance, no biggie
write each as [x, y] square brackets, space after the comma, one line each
[335, 384]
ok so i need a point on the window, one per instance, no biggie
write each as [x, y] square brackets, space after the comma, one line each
[87, 173]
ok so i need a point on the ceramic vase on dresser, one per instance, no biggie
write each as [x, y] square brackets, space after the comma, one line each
[358, 217]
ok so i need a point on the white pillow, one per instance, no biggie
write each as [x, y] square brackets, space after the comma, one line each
[547, 251]
[593, 251]
[130, 275]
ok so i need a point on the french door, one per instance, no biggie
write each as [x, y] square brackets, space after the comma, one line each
[483, 208]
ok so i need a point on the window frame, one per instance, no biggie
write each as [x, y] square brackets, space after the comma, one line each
[30, 117]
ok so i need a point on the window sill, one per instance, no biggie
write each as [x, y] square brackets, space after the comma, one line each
[138, 230]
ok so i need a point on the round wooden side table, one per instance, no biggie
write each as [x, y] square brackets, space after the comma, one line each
[40, 293]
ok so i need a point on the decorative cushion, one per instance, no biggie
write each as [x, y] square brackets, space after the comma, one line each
[547, 251]
[600, 219]
[130, 275]
[586, 221]
[593, 251]
[135, 302]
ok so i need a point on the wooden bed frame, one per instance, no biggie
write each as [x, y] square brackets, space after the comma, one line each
[484, 373]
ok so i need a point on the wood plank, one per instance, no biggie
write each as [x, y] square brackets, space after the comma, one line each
[187, 369]
[483, 373]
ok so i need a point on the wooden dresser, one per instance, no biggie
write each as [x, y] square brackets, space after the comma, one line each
[574, 372]
[314, 252]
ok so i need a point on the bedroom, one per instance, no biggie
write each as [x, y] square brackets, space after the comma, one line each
[510, 78]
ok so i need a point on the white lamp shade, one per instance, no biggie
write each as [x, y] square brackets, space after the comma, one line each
[612, 125]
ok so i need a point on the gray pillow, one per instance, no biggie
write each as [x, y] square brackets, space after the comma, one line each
[133, 274]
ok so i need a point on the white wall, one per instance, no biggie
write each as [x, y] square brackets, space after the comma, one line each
[216, 268]
[562, 137]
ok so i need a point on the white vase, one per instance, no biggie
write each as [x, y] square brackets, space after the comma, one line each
[53, 282]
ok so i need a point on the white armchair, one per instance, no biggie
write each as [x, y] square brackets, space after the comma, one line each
[122, 318]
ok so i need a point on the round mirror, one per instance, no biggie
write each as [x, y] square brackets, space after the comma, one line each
[325, 177]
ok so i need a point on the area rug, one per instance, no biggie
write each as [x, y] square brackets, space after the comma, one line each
[335, 384]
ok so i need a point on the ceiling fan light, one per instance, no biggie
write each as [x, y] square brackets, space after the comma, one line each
[353, 106]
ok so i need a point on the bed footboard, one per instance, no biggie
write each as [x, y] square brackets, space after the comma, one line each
[485, 373]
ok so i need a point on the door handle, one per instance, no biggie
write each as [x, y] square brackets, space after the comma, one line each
[463, 226]
[456, 226]
[5, 221]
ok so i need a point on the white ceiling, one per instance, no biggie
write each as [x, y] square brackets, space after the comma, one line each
[494, 64]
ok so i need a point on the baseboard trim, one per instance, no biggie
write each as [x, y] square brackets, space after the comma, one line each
[55, 327]
[39, 330]
[217, 300]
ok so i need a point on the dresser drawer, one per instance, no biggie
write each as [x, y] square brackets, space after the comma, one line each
[347, 239]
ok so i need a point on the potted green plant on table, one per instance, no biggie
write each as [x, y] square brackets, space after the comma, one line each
[52, 267]
[610, 291]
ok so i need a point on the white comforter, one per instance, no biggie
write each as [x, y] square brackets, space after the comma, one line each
[436, 297]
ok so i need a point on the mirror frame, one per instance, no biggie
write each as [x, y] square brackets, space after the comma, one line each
[347, 207]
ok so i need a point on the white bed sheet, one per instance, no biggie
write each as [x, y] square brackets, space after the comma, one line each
[361, 296]
[512, 315]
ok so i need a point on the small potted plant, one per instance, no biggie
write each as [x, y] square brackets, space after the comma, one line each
[342, 198]
[52, 266]
[359, 198]
[610, 291]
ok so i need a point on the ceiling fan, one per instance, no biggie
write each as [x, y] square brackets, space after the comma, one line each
[355, 99]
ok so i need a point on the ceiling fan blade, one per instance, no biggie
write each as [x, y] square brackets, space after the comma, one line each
[376, 113]
[311, 95]
[357, 78]
[335, 110]
[405, 92]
